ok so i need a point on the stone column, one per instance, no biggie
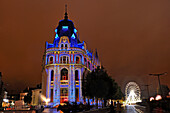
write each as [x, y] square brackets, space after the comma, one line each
[48, 84]
[73, 84]
[70, 92]
[54, 87]
[80, 85]
[57, 91]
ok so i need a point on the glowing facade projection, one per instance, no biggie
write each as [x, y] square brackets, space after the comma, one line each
[133, 93]
[66, 62]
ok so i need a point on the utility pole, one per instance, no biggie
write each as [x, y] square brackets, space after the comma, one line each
[159, 80]
[147, 88]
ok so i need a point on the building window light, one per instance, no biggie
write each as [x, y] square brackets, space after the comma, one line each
[65, 27]
[56, 36]
[56, 30]
[73, 36]
[75, 30]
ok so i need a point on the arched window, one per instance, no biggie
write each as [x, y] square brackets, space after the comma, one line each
[64, 59]
[64, 74]
[89, 65]
[77, 60]
[67, 60]
[85, 61]
[51, 60]
[66, 46]
[76, 75]
[60, 59]
[52, 75]
[51, 95]
[62, 46]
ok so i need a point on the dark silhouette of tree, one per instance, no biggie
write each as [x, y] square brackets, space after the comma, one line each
[165, 90]
[118, 94]
[28, 98]
[99, 85]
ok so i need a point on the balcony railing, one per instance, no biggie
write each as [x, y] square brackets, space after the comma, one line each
[64, 82]
[77, 82]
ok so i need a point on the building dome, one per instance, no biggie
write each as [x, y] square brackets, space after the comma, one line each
[65, 28]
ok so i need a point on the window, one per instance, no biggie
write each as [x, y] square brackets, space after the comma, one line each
[66, 46]
[63, 95]
[77, 94]
[64, 28]
[52, 75]
[61, 59]
[64, 92]
[64, 74]
[85, 61]
[51, 60]
[63, 99]
[76, 75]
[67, 60]
[62, 46]
[77, 60]
[64, 59]
[51, 95]
[89, 65]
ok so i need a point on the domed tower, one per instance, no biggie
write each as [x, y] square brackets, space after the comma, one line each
[65, 61]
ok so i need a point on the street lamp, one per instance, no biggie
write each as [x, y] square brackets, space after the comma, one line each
[165, 73]
[147, 87]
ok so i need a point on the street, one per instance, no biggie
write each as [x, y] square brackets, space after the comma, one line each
[49, 110]
[127, 109]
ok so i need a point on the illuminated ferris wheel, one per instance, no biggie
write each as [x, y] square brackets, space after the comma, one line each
[132, 92]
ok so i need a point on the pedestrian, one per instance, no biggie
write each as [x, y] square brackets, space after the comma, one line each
[118, 108]
[112, 110]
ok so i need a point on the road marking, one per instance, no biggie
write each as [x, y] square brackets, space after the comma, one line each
[138, 110]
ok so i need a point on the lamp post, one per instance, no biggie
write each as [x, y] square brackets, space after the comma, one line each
[159, 80]
[147, 87]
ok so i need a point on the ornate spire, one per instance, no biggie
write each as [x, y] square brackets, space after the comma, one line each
[66, 17]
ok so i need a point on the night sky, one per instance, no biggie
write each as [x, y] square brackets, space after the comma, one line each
[132, 37]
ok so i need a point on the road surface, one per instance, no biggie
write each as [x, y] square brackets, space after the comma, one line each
[127, 109]
[49, 110]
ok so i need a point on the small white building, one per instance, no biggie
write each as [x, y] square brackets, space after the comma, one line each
[36, 97]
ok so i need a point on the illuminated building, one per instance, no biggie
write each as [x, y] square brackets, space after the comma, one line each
[36, 93]
[66, 62]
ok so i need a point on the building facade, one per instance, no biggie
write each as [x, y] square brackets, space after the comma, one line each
[66, 62]
[36, 97]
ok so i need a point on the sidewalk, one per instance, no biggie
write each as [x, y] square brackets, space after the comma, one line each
[100, 110]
